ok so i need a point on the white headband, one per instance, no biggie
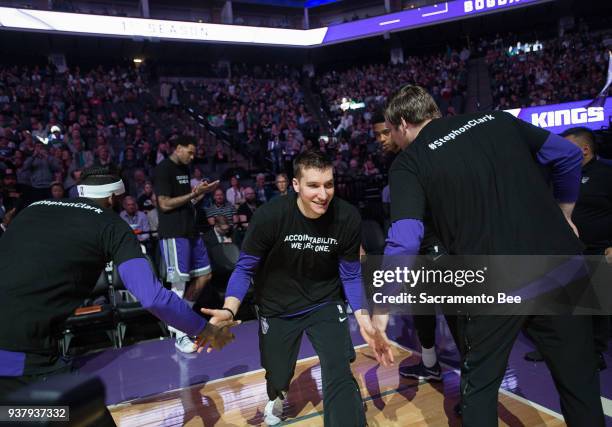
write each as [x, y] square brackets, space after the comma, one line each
[101, 191]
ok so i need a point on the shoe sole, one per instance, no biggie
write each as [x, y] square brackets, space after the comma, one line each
[271, 422]
[422, 377]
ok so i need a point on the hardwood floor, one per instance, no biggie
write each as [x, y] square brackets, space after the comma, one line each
[391, 401]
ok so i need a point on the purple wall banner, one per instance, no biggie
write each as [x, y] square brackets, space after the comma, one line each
[156, 29]
[441, 12]
[558, 117]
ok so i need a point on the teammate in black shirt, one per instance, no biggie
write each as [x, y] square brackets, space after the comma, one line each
[425, 324]
[593, 212]
[593, 217]
[478, 175]
[184, 252]
[50, 259]
[302, 250]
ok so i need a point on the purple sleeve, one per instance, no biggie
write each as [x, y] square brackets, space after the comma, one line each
[404, 237]
[240, 279]
[566, 160]
[350, 274]
[139, 279]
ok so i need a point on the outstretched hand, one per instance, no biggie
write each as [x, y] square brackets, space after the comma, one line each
[376, 339]
[216, 334]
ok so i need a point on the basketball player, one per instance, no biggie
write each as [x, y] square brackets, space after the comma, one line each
[185, 256]
[302, 250]
[50, 259]
[479, 177]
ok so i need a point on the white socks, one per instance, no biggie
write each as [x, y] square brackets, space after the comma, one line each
[428, 356]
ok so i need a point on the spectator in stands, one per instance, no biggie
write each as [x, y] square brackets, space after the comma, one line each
[135, 219]
[568, 68]
[57, 190]
[153, 217]
[41, 167]
[340, 166]
[197, 176]
[145, 201]
[200, 158]
[354, 171]
[137, 184]
[130, 119]
[11, 190]
[235, 194]
[221, 207]
[370, 169]
[103, 157]
[282, 185]
[56, 136]
[23, 175]
[130, 161]
[81, 157]
[275, 150]
[163, 151]
[246, 209]
[263, 191]
[6, 150]
[220, 233]
[220, 159]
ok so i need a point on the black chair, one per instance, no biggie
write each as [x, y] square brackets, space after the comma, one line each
[128, 310]
[223, 259]
[372, 237]
[87, 323]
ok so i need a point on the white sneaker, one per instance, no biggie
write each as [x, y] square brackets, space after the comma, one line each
[184, 344]
[273, 412]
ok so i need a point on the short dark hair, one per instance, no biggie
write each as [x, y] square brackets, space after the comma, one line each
[411, 103]
[378, 117]
[311, 159]
[585, 134]
[98, 175]
[184, 141]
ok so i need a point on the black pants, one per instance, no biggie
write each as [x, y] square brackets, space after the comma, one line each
[328, 331]
[601, 332]
[425, 326]
[566, 342]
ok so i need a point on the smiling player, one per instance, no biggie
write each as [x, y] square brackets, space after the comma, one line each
[302, 250]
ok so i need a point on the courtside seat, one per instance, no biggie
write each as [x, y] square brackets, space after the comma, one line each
[129, 311]
[91, 317]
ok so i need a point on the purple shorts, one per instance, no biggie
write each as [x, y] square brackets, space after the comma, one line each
[184, 258]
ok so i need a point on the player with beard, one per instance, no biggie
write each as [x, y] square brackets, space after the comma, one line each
[50, 259]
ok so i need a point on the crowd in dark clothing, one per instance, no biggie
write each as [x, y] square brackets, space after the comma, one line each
[572, 67]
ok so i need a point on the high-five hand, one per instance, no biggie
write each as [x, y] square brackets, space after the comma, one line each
[217, 332]
[376, 339]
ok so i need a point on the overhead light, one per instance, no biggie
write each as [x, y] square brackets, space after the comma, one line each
[137, 60]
